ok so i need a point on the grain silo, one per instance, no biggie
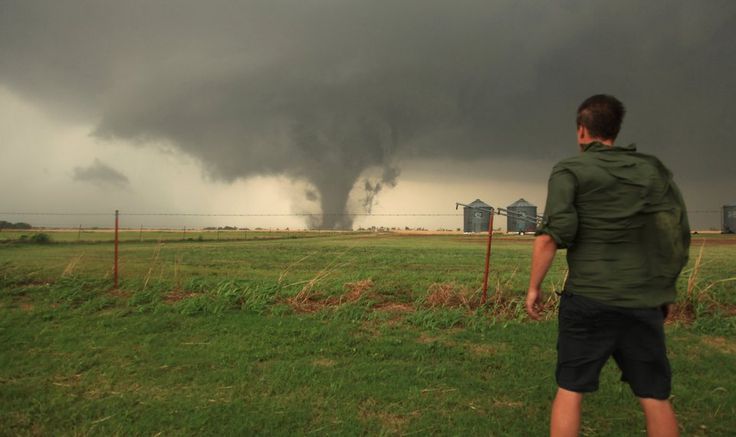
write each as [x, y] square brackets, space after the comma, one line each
[728, 219]
[476, 216]
[522, 217]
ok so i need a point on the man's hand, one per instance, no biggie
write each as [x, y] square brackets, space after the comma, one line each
[542, 256]
[534, 303]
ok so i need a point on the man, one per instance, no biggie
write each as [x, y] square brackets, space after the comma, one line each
[623, 222]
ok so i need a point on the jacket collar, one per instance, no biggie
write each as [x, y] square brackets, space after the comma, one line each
[596, 146]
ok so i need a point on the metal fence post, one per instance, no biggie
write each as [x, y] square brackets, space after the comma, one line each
[117, 226]
[488, 257]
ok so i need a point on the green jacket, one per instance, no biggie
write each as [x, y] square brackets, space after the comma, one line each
[623, 222]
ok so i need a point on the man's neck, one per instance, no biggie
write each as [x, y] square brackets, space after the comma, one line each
[608, 143]
[587, 140]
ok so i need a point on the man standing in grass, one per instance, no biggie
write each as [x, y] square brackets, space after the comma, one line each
[623, 222]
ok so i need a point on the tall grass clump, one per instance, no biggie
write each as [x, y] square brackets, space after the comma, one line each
[699, 305]
[352, 311]
[74, 291]
[229, 295]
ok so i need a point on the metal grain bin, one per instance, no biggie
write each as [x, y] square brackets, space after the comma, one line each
[476, 220]
[728, 219]
[516, 221]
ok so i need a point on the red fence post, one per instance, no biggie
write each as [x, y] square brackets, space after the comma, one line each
[488, 258]
[115, 270]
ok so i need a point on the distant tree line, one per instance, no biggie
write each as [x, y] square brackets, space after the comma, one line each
[19, 225]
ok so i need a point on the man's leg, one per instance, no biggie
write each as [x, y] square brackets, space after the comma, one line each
[565, 414]
[661, 421]
[642, 358]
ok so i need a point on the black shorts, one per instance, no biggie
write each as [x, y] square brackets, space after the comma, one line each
[590, 332]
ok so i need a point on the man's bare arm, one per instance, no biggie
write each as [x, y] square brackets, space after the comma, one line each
[543, 254]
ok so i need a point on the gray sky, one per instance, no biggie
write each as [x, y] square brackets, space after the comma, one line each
[307, 106]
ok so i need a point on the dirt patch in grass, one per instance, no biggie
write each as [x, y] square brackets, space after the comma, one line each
[721, 344]
[66, 380]
[324, 362]
[355, 290]
[436, 391]
[507, 403]
[486, 350]
[395, 422]
[395, 311]
[684, 313]
[309, 301]
[392, 422]
[175, 296]
[426, 339]
[447, 295]
[394, 307]
[500, 303]
[681, 313]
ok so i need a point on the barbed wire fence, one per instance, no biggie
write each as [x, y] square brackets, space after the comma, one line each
[175, 221]
[187, 221]
[111, 227]
[98, 226]
[115, 226]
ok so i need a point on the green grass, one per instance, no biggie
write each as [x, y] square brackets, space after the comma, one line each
[317, 334]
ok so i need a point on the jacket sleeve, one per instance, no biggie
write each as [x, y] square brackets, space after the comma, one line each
[684, 225]
[560, 215]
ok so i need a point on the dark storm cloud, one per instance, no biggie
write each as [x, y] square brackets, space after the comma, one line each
[100, 174]
[323, 90]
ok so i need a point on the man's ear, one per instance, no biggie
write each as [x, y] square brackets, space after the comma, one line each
[582, 132]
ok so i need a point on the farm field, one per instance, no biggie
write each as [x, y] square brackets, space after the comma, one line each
[87, 235]
[320, 334]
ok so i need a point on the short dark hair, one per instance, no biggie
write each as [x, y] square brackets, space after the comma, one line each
[602, 115]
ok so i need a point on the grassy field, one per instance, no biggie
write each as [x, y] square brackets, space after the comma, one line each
[320, 333]
[156, 235]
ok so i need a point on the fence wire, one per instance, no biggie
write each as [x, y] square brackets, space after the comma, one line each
[700, 219]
